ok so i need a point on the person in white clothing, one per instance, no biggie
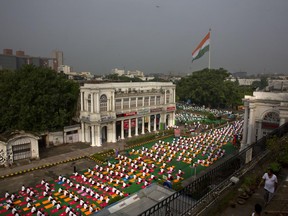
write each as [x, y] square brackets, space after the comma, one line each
[270, 185]
[67, 209]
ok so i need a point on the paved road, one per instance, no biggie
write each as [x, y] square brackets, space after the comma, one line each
[48, 156]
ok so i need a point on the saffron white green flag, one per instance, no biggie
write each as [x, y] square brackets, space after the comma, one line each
[202, 48]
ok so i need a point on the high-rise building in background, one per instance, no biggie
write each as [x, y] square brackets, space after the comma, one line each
[56, 54]
[13, 62]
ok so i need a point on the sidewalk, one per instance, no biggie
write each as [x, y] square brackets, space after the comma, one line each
[277, 206]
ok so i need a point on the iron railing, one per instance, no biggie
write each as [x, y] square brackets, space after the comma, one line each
[194, 194]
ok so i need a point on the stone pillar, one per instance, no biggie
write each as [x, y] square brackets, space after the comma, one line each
[82, 100]
[82, 132]
[136, 126]
[112, 101]
[165, 97]
[259, 130]
[251, 133]
[93, 136]
[129, 128]
[122, 129]
[92, 103]
[99, 137]
[149, 123]
[282, 121]
[114, 139]
[143, 125]
[97, 103]
[155, 123]
[245, 126]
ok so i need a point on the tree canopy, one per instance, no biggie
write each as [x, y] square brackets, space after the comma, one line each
[36, 99]
[211, 88]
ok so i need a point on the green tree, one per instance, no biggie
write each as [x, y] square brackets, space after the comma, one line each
[36, 99]
[210, 88]
[260, 84]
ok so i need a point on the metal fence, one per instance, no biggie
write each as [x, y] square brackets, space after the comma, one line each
[193, 195]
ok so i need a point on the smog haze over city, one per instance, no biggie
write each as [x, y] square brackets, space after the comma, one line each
[153, 36]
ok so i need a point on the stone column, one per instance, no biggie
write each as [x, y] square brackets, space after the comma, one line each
[82, 100]
[143, 125]
[93, 136]
[97, 103]
[129, 128]
[82, 132]
[149, 123]
[245, 126]
[259, 127]
[155, 123]
[251, 133]
[136, 126]
[92, 102]
[165, 97]
[99, 137]
[114, 139]
[282, 121]
[122, 129]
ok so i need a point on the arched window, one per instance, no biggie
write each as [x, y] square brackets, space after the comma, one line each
[272, 117]
[103, 103]
[167, 96]
[89, 103]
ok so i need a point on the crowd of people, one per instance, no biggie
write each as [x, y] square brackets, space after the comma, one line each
[95, 187]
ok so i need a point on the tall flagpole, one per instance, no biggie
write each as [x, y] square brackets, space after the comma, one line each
[209, 48]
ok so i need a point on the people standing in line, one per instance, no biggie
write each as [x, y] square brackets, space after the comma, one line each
[270, 185]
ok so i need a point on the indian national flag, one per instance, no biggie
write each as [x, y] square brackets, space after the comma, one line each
[202, 48]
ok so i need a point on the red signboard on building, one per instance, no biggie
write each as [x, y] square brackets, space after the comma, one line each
[126, 123]
[172, 108]
[156, 110]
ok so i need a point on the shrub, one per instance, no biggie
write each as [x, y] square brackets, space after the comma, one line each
[103, 156]
[276, 167]
[283, 160]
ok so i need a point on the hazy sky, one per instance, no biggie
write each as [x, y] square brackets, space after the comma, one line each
[99, 35]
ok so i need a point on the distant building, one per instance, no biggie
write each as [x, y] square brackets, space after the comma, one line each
[66, 69]
[118, 71]
[130, 74]
[244, 82]
[59, 56]
[14, 62]
[239, 74]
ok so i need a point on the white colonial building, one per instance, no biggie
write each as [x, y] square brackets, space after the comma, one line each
[264, 111]
[111, 111]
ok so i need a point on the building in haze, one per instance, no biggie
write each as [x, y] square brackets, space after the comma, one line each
[59, 56]
[111, 111]
[13, 62]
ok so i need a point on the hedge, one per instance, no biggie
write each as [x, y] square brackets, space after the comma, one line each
[147, 138]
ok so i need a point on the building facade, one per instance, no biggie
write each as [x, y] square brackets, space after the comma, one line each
[264, 111]
[111, 111]
[18, 145]
[14, 62]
